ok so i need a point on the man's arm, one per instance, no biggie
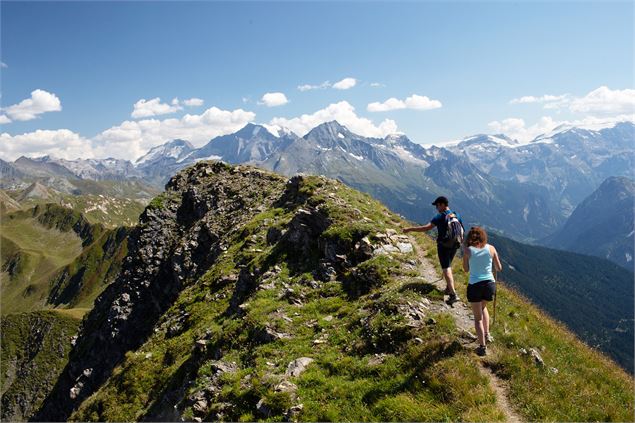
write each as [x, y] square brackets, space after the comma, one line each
[424, 228]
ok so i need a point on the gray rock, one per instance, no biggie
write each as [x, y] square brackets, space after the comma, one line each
[537, 357]
[297, 366]
[405, 247]
[286, 386]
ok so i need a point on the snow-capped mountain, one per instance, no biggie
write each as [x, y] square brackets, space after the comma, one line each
[175, 149]
[524, 190]
[568, 162]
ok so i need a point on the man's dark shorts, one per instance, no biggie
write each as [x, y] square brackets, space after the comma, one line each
[481, 291]
[446, 254]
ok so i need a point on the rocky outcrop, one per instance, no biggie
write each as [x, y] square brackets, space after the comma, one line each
[177, 240]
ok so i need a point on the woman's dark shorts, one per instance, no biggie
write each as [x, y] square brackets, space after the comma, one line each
[481, 291]
[446, 255]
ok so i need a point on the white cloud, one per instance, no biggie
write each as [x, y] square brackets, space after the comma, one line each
[3, 65]
[516, 128]
[274, 99]
[40, 102]
[547, 98]
[345, 84]
[153, 107]
[309, 87]
[4, 120]
[61, 143]
[345, 114]
[134, 138]
[128, 140]
[416, 102]
[377, 84]
[193, 102]
[603, 100]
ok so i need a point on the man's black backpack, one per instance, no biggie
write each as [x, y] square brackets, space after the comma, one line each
[454, 231]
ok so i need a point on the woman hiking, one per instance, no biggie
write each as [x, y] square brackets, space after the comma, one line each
[478, 257]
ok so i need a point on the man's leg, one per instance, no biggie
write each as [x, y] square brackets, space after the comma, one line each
[449, 281]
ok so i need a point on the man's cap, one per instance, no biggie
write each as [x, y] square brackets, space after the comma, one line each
[440, 200]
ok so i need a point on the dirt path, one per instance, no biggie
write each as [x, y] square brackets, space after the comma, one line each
[464, 320]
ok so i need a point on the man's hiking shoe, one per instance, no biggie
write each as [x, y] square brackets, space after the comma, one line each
[446, 291]
[481, 350]
[453, 298]
[489, 338]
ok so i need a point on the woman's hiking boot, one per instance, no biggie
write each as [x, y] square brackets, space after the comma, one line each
[481, 350]
[489, 338]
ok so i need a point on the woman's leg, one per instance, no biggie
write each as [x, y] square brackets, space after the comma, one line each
[485, 314]
[478, 322]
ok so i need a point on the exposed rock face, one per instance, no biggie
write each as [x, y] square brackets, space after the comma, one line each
[173, 245]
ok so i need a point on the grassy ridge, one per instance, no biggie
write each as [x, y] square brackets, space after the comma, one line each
[368, 365]
[588, 386]
[370, 362]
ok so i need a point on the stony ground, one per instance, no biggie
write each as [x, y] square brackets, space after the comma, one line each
[464, 320]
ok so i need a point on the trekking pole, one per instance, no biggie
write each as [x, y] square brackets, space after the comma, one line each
[495, 295]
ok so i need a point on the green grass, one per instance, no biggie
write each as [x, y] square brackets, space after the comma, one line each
[588, 386]
[45, 263]
[35, 253]
[35, 349]
[411, 383]
[369, 364]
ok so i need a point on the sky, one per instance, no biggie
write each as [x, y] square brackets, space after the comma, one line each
[113, 79]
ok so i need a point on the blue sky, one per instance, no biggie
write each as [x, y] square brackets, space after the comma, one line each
[100, 58]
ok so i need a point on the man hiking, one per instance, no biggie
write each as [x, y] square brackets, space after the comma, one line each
[449, 238]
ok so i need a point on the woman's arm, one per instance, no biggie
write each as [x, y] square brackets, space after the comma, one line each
[466, 259]
[497, 262]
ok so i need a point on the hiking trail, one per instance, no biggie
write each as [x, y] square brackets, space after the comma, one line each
[462, 314]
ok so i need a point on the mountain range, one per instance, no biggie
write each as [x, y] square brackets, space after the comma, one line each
[523, 191]
[602, 224]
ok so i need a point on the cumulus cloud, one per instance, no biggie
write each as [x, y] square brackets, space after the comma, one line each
[3, 65]
[128, 140]
[309, 87]
[139, 136]
[415, 102]
[193, 102]
[153, 107]
[517, 129]
[4, 120]
[345, 114]
[40, 102]
[274, 99]
[547, 98]
[603, 100]
[61, 143]
[345, 84]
